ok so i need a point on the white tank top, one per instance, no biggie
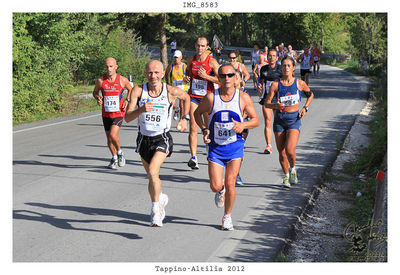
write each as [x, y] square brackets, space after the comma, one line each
[254, 56]
[158, 120]
[305, 64]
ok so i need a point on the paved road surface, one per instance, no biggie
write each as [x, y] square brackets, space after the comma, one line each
[68, 207]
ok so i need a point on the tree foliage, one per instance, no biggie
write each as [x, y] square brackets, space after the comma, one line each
[53, 51]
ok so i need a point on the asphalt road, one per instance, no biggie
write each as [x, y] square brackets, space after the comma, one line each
[67, 207]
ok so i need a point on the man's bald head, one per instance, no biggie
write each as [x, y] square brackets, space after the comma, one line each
[154, 63]
[202, 38]
[111, 66]
[111, 59]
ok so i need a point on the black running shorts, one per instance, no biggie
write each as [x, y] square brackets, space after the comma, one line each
[304, 72]
[108, 122]
[148, 146]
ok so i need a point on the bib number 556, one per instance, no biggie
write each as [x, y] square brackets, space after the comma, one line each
[155, 118]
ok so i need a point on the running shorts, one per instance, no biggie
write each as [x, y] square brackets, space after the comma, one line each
[196, 100]
[304, 72]
[108, 122]
[147, 146]
[221, 162]
[284, 121]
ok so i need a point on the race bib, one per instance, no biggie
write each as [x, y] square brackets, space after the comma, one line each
[199, 87]
[179, 83]
[223, 133]
[316, 58]
[156, 119]
[290, 100]
[111, 104]
[306, 62]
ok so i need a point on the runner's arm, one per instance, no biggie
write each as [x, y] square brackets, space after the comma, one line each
[250, 111]
[96, 92]
[309, 94]
[125, 84]
[204, 107]
[273, 89]
[177, 92]
[188, 70]
[214, 66]
[307, 91]
[131, 111]
[261, 82]
[246, 73]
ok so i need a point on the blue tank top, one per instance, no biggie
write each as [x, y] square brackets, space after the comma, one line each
[289, 95]
[225, 143]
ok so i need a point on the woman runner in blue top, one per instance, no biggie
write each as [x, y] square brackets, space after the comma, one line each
[287, 119]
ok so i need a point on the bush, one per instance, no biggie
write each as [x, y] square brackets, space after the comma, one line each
[53, 51]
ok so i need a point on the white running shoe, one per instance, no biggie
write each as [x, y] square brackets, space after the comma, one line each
[286, 182]
[121, 160]
[220, 198]
[239, 180]
[227, 223]
[113, 164]
[156, 219]
[163, 201]
[293, 177]
[192, 163]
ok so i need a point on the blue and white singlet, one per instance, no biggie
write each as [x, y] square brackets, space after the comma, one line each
[225, 143]
[289, 95]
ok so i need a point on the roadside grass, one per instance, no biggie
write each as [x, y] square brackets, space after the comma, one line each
[363, 169]
[280, 257]
[351, 66]
[72, 105]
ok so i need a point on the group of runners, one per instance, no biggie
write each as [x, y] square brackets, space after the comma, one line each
[212, 98]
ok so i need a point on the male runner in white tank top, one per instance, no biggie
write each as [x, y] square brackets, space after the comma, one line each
[154, 143]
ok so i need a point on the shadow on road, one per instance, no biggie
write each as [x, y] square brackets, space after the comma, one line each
[123, 217]
[65, 223]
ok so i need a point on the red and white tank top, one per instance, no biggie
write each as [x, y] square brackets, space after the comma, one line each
[113, 97]
[199, 87]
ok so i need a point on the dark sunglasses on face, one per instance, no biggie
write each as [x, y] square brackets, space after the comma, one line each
[232, 57]
[230, 75]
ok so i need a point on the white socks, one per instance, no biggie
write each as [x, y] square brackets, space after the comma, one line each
[155, 207]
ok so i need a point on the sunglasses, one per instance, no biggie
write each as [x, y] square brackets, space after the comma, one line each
[227, 75]
[232, 57]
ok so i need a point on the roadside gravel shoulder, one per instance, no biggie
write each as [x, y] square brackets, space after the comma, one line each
[319, 233]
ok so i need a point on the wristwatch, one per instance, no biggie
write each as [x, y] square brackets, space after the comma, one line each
[305, 107]
[128, 99]
[187, 117]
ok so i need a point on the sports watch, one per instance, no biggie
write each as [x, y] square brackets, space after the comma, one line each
[187, 117]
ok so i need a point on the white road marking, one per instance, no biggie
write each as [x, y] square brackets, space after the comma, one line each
[52, 124]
